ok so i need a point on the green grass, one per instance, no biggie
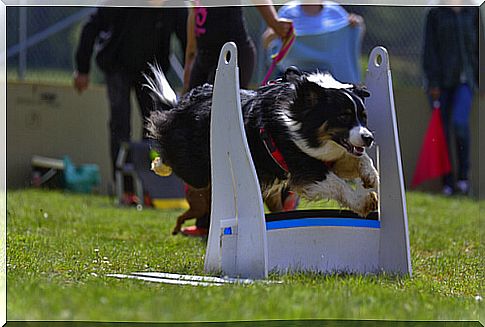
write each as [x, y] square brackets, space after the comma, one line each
[60, 247]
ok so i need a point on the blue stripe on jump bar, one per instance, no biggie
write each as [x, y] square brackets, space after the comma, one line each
[316, 222]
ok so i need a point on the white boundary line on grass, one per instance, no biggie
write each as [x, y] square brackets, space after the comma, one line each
[165, 280]
[193, 280]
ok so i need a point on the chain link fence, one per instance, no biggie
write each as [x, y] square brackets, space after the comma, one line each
[49, 58]
[57, 29]
[401, 31]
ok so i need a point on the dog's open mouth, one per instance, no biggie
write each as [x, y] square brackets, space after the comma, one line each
[358, 150]
[352, 149]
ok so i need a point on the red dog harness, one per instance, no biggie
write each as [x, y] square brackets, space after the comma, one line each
[273, 150]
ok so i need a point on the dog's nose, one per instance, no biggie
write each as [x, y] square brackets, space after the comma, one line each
[368, 139]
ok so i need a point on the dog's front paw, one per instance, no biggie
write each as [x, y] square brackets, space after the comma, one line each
[368, 173]
[368, 204]
[370, 180]
[372, 203]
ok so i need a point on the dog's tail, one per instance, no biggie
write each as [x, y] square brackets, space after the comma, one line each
[161, 89]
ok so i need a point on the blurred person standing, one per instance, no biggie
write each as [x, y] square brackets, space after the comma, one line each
[126, 41]
[208, 29]
[450, 64]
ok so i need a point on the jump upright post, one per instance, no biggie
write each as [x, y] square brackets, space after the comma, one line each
[243, 242]
[236, 195]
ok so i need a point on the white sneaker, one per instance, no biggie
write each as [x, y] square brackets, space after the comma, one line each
[447, 190]
[463, 186]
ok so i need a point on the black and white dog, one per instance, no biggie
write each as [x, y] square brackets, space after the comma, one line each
[306, 132]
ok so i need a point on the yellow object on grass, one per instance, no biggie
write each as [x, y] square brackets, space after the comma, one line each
[170, 203]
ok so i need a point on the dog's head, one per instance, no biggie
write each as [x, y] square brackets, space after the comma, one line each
[328, 117]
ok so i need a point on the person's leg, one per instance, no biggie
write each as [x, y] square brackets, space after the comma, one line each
[446, 107]
[118, 87]
[462, 102]
[201, 68]
[145, 100]
[247, 62]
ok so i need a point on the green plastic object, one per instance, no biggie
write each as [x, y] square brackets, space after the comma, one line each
[153, 154]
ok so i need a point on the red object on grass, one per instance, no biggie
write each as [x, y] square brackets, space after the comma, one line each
[194, 231]
[433, 159]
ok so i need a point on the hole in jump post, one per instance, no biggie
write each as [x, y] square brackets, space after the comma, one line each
[378, 60]
[228, 57]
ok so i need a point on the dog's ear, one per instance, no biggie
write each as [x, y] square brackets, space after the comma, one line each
[310, 93]
[292, 75]
[361, 91]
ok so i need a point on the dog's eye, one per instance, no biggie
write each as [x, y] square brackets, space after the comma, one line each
[346, 117]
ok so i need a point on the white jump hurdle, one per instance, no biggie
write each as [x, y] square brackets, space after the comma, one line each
[243, 244]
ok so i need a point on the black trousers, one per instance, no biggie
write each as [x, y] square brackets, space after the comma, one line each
[119, 86]
[205, 65]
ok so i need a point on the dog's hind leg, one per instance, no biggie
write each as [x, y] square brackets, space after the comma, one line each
[272, 197]
[359, 200]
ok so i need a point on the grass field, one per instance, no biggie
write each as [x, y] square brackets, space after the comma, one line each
[60, 247]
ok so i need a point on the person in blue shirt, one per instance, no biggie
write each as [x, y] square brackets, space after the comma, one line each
[328, 38]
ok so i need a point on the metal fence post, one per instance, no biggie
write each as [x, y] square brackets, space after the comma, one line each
[22, 67]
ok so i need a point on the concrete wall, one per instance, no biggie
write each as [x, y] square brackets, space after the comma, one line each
[54, 121]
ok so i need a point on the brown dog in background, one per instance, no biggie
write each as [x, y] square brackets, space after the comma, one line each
[199, 205]
[199, 200]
